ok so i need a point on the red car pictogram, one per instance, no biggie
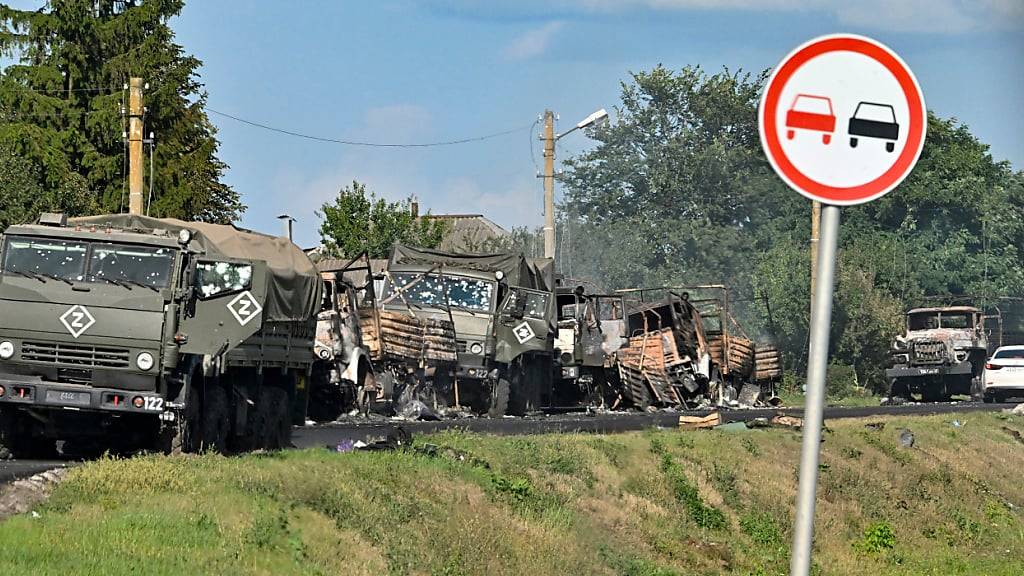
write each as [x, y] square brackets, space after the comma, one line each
[809, 112]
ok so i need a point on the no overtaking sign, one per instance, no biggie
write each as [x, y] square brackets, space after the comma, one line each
[842, 119]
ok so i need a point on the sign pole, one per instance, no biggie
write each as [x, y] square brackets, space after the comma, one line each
[814, 411]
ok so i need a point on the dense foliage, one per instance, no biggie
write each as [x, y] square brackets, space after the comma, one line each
[358, 220]
[677, 191]
[61, 104]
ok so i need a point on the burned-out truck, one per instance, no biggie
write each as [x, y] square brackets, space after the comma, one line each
[591, 331]
[942, 353]
[123, 331]
[503, 312]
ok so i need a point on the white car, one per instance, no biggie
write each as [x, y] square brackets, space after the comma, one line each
[1004, 374]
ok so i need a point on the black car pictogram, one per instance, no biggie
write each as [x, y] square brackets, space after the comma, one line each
[873, 120]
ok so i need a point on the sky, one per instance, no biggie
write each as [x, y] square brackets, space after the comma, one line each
[404, 71]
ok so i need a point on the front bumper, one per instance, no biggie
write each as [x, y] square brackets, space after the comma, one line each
[963, 368]
[34, 392]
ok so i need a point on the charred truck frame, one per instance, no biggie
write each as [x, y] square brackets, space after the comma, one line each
[942, 353]
[503, 310]
[118, 331]
[591, 330]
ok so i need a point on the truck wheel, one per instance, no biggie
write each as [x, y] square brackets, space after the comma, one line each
[18, 437]
[987, 398]
[273, 423]
[899, 389]
[499, 399]
[215, 419]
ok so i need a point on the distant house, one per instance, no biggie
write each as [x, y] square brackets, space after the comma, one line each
[468, 232]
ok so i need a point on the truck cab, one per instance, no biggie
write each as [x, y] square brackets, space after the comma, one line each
[941, 354]
[126, 331]
[503, 318]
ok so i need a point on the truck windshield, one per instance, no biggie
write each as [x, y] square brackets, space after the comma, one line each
[149, 265]
[436, 291]
[931, 321]
[89, 261]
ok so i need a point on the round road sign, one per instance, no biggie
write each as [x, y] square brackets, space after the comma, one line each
[842, 119]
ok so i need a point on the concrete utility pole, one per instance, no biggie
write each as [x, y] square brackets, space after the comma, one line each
[135, 146]
[549, 184]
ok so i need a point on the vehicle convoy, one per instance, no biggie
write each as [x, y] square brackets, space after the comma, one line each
[503, 311]
[942, 353]
[1003, 377]
[591, 330]
[125, 331]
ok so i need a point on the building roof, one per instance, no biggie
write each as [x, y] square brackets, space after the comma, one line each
[468, 232]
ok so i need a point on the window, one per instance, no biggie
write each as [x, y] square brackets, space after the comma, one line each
[216, 278]
[1014, 353]
[434, 291]
[46, 257]
[536, 303]
[148, 265]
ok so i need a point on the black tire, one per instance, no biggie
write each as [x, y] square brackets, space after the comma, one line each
[19, 438]
[499, 399]
[273, 427]
[853, 142]
[215, 421]
[899, 389]
[326, 401]
[890, 146]
[988, 398]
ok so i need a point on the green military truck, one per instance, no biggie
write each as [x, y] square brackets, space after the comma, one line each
[123, 331]
[503, 311]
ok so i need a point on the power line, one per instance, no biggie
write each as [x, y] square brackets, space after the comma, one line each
[367, 144]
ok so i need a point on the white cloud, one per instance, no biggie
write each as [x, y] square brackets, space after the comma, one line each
[532, 43]
[937, 16]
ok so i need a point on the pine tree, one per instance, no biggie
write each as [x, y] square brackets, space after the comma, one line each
[61, 105]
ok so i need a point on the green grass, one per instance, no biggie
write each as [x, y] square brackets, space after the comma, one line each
[652, 503]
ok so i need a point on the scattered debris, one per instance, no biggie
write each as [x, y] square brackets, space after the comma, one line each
[733, 427]
[876, 426]
[787, 421]
[1018, 410]
[907, 438]
[1014, 433]
[695, 422]
[758, 423]
[958, 424]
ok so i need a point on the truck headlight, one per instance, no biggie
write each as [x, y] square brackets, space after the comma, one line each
[144, 360]
[476, 348]
[6, 349]
[184, 237]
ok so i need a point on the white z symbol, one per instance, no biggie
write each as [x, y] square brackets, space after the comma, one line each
[77, 322]
[243, 307]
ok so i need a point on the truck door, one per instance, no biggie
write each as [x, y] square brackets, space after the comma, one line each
[226, 304]
[525, 319]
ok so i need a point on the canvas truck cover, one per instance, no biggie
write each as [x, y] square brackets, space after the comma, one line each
[293, 291]
[535, 273]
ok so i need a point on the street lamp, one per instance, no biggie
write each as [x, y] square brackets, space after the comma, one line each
[549, 137]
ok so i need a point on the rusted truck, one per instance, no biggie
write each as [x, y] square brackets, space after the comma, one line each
[942, 353]
[666, 360]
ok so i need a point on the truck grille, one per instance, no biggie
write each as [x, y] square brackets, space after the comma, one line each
[75, 354]
[929, 352]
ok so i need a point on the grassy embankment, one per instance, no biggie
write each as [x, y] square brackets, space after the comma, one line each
[641, 504]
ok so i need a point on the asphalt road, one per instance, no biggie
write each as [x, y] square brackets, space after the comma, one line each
[330, 435]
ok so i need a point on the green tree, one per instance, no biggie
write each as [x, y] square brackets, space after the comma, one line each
[358, 220]
[61, 103]
[678, 191]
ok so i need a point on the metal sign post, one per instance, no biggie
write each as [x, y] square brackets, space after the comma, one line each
[842, 121]
[814, 409]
